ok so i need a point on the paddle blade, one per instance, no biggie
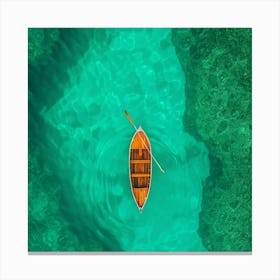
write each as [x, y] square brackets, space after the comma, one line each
[129, 118]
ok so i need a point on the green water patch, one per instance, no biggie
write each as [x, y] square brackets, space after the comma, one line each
[217, 63]
[79, 192]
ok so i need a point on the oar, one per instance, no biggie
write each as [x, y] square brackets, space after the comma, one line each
[133, 124]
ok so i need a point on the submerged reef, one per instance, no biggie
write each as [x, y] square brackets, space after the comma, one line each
[218, 69]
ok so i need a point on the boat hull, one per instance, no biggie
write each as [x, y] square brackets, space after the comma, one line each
[140, 167]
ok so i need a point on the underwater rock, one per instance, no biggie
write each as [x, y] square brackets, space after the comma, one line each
[40, 44]
[218, 68]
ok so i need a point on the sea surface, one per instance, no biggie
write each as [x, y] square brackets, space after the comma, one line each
[80, 83]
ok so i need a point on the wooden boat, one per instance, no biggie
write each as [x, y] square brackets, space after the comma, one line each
[140, 164]
[140, 167]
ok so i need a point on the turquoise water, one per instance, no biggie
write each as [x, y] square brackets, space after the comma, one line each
[84, 143]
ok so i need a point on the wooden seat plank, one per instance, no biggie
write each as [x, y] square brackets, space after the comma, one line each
[140, 175]
[140, 161]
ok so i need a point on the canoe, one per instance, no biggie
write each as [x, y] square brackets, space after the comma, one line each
[140, 167]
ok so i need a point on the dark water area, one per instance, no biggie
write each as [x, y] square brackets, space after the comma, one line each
[217, 63]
